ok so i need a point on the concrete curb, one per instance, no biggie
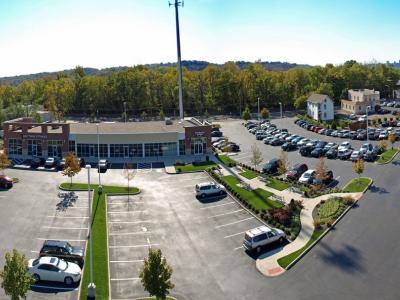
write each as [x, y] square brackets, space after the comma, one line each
[325, 232]
[390, 160]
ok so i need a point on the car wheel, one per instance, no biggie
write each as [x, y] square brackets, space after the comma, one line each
[258, 249]
[221, 192]
[36, 277]
[203, 195]
[280, 240]
[68, 281]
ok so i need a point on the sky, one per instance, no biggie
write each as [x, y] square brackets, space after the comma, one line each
[53, 35]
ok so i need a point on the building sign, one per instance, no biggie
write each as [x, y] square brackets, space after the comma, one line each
[199, 133]
[35, 136]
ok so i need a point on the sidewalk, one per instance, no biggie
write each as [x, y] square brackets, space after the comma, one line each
[267, 263]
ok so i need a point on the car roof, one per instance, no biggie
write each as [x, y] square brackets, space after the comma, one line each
[48, 260]
[257, 231]
[205, 183]
[309, 171]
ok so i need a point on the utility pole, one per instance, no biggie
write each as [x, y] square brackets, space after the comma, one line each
[178, 46]
[280, 106]
[91, 287]
[125, 110]
[258, 107]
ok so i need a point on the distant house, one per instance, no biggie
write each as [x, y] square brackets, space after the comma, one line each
[358, 100]
[320, 107]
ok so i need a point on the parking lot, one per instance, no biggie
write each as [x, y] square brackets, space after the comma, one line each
[202, 240]
[342, 170]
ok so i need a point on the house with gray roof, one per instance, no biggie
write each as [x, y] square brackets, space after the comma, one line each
[320, 107]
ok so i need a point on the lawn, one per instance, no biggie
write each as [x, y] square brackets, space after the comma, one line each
[225, 159]
[277, 184]
[200, 166]
[387, 156]
[259, 198]
[286, 260]
[329, 208]
[99, 238]
[249, 174]
[357, 185]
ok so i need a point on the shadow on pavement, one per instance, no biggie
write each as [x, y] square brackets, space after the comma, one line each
[211, 199]
[348, 258]
[375, 189]
[48, 287]
[267, 251]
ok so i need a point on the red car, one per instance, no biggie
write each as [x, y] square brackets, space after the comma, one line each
[6, 182]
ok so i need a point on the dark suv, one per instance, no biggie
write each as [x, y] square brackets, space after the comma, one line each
[296, 172]
[63, 250]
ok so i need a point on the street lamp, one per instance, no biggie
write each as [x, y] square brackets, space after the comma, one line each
[125, 110]
[280, 106]
[258, 106]
[91, 286]
[366, 110]
[98, 155]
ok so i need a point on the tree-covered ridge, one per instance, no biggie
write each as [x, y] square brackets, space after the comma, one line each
[215, 89]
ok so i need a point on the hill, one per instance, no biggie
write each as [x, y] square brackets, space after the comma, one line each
[192, 65]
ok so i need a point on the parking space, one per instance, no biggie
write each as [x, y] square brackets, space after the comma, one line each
[342, 170]
[202, 240]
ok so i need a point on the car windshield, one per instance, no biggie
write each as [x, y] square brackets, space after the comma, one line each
[307, 175]
[247, 238]
[68, 247]
[62, 265]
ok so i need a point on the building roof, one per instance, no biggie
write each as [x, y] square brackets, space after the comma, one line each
[364, 91]
[317, 98]
[135, 127]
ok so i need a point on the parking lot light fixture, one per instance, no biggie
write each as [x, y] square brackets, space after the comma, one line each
[367, 109]
[280, 106]
[258, 107]
[98, 155]
[91, 286]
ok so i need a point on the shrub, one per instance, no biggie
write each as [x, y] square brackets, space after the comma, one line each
[282, 215]
[322, 201]
[317, 224]
[329, 222]
[292, 237]
[179, 163]
[178, 170]
[287, 231]
[348, 200]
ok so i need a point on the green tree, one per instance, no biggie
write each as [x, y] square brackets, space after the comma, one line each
[143, 115]
[156, 274]
[246, 115]
[300, 102]
[15, 280]
[264, 113]
[71, 167]
[161, 115]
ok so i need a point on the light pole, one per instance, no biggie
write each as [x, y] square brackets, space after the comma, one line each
[258, 107]
[98, 156]
[125, 110]
[280, 106]
[91, 287]
[366, 110]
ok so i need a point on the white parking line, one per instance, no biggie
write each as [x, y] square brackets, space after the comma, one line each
[34, 251]
[235, 234]
[127, 212]
[126, 261]
[129, 233]
[134, 246]
[224, 225]
[218, 205]
[58, 239]
[125, 279]
[62, 217]
[242, 157]
[76, 207]
[67, 228]
[129, 222]
[228, 213]
[237, 248]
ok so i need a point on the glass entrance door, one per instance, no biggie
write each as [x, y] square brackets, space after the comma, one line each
[126, 151]
[91, 150]
[198, 147]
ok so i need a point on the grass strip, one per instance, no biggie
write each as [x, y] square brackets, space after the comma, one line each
[99, 238]
[357, 185]
[387, 156]
[225, 159]
[200, 166]
[258, 198]
[249, 174]
[277, 184]
[288, 259]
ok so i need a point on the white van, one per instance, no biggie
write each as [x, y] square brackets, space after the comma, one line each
[256, 238]
[208, 189]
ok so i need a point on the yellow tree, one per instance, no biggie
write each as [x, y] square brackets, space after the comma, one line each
[392, 138]
[320, 175]
[283, 163]
[264, 113]
[72, 166]
[358, 167]
[4, 161]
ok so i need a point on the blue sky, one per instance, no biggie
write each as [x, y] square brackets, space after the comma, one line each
[51, 35]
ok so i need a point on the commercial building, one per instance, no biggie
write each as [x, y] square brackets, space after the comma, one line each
[320, 107]
[359, 100]
[117, 142]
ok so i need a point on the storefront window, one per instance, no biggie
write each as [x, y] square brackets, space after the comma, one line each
[90, 150]
[182, 147]
[35, 147]
[198, 145]
[54, 148]
[160, 149]
[71, 146]
[15, 146]
[126, 150]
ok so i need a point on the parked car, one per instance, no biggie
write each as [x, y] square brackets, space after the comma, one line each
[50, 162]
[61, 164]
[344, 146]
[307, 177]
[365, 148]
[276, 142]
[232, 147]
[370, 156]
[306, 150]
[332, 153]
[297, 170]
[329, 146]
[216, 134]
[6, 182]
[317, 152]
[328, 132]
[37, 162]
[259, 237]
[289, 146]
[344, 154]
[355, 155]
[209, 189]
[63, 250]
[54, 269]
[271, 167]
[303, 142]
[103, 165]
[326, 180]
[383, 135]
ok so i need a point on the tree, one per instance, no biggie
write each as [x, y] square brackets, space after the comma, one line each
[71, 167]
[300, 102]
[246, 115]
[283, 163]
[4, 161]
[382, 146]
[156, 274]
[264, 113]
[206, 114]
[161, 115]
[392, 138]
[320, 174]
[143, 115]
[358, 167]
[129, 174]
[256, 156]
[15, 280]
